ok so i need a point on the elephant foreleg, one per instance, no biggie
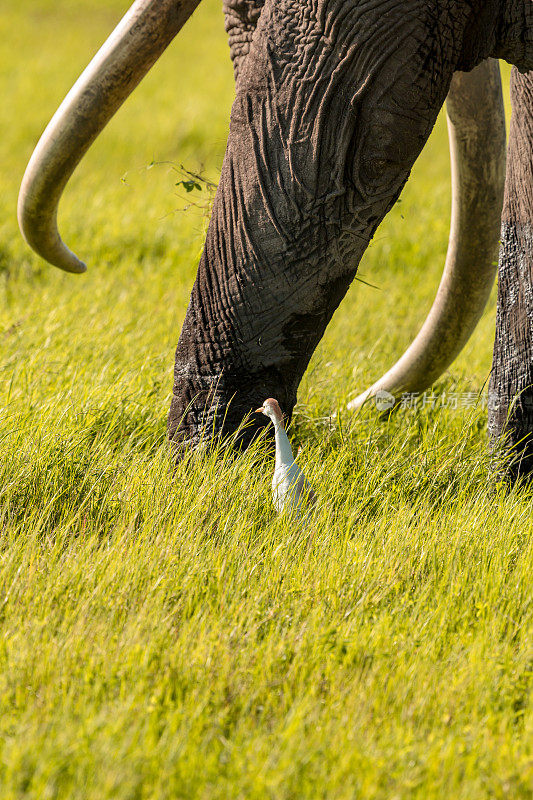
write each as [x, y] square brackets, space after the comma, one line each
[511, 384]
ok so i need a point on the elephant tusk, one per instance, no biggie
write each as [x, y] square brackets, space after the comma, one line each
[476, 129]
[136, 43]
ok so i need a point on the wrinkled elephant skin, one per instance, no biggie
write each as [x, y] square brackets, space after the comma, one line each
[334, 103]
[511, 384]
[335, 99]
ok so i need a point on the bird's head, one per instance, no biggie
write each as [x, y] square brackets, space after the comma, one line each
[271, 409]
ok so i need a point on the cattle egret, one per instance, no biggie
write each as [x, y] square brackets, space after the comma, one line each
[290, 488]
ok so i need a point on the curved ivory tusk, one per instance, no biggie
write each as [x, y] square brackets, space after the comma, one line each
[136, 43]
[476, 129]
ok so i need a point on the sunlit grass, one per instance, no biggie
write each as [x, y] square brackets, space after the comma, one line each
[164, 634]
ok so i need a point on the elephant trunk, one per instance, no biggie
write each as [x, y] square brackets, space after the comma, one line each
[136, 43]
[476, 127]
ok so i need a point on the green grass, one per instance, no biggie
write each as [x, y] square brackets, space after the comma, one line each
[170, 637]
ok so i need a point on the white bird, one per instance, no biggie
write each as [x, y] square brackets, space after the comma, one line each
[290, 488]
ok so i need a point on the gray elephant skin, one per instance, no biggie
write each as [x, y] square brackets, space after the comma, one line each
[334, 100]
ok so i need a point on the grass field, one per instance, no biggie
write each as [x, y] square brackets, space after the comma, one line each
[173, 638]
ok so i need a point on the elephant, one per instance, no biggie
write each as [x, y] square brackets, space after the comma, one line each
[334, 101]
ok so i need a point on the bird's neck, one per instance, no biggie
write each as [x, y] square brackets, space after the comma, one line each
[284, 454]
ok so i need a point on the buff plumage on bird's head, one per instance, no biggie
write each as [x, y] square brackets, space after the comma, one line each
[290, 488]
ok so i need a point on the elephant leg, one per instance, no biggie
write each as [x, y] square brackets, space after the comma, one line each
[334, 103]
[511, 382]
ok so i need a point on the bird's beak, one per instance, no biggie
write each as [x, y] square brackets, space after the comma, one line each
[259, 410]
